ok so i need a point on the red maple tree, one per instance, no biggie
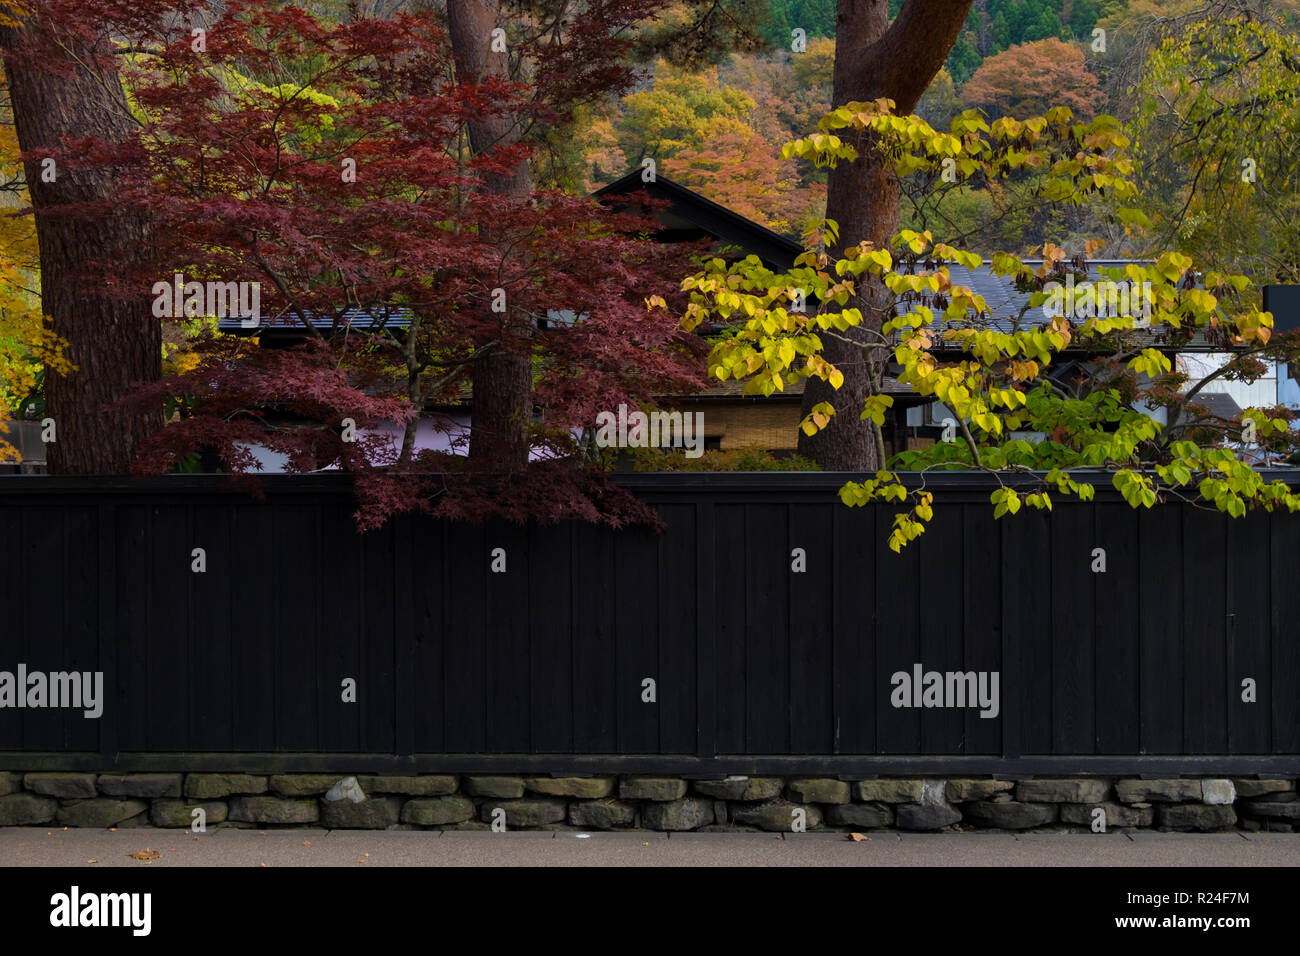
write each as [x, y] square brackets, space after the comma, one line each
[328, 163]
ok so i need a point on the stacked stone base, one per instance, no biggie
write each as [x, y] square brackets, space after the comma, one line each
[739, 803]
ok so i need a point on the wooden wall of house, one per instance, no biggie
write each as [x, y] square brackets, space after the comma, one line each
[756, 667]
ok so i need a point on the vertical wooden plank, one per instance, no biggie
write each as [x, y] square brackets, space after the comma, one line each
[254, 635]
[857, 685]
[939, 594]
[675, 602]
[1282, 697]
[507, 666]
[378, 703]
[731, 547]
[171, 582]
[767, 645]
[1118, 618]
[81, 597]
[341, 633]
[898, 637]
[506, 663]
[595, 679]
[464, 690]
[1248, 632]
[297, 693]
[705, 628]
[636, 567]
[982, 648]
[14, 551]
[811, 637]
[212, 611]
[1027, 600]
[403, 638]
[45, 610]
[1205, 660]
[1160, 538]
[1026, 604]
[426, 577]
[550, 596]
[109, 637]
[1074, 539]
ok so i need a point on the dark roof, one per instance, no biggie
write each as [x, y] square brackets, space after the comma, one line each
[1005, 305]
[735, 389]
[1218, 404]
[690, 216]
[396, 317]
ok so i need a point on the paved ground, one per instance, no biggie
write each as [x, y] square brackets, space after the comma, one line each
[28, 846]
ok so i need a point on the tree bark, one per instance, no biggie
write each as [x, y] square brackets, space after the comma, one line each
[503, 385]
[873, 59]
[113, 344]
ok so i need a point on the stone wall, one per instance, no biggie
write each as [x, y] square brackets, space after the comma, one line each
[780, 804]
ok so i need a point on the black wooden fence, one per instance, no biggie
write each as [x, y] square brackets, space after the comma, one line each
[542, 667]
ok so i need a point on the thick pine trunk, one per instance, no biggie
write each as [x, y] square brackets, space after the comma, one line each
[503, 384]
[873, 59]
[113, 344]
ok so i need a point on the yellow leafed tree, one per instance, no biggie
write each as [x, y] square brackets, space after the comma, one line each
[26, 344]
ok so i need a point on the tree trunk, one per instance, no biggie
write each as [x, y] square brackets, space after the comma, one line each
[873, 59]
[503, 385]
[113, 344]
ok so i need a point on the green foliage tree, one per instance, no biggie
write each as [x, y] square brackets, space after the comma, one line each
[995, 377]
[1216, 127]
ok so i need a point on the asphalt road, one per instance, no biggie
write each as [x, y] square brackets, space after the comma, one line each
[34, 846]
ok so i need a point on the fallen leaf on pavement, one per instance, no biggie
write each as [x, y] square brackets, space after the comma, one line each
[145, 854]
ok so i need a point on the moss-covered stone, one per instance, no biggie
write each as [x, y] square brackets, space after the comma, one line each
[426, 785]
[1063, 791]
[99, 812]
[1117, 814]
[818, 790]
[504, 787]
[437, 811]
[586, 788]
[376, 813]
[525, 813]
[273, 810]
[206, 786]
[148, 785]
[1196, 816]
[303, 784]
[65, 786]
[965, 790]
[889, 791]
[864, 815]
[1009, 815]
[778, 817]
[26, 809]
[1157, 791]
[607, 814]
[180, 813]
[652, 788]
[685, 814]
